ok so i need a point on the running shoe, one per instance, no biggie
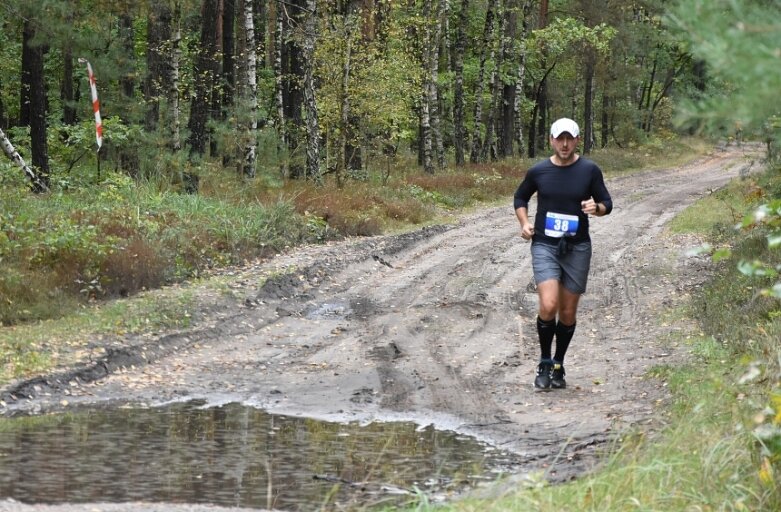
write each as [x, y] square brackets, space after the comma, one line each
[557, 376]
[542, 380]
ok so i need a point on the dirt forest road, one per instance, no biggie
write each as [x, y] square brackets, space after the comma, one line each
[434, 326]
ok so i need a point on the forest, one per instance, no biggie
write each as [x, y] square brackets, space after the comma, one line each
[150, 141]
[315, 90]
[150, 144]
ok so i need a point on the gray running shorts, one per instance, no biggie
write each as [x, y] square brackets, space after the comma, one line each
[570, 269]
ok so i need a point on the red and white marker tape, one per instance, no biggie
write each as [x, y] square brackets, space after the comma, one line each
[95, 104]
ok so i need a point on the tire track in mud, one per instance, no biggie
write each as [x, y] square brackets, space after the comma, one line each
[435, 326]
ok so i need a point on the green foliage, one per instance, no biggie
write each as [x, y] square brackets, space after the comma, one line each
[381, 88]
[740, 41]
[568, 35]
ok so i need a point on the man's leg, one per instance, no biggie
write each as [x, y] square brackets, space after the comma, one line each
[548, 295]
[565, 329]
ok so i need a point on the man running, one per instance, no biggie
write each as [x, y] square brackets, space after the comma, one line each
[569, 189]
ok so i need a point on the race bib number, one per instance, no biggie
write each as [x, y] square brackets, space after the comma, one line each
[558, 225]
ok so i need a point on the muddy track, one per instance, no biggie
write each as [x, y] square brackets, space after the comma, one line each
[434, 326]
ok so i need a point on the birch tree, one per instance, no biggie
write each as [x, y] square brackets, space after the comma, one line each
[310, 100]
[36, 183]
[426, 135]
[173, 90]
[279, 90]
[250, 96]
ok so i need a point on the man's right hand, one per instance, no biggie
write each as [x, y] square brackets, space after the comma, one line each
[527, 231]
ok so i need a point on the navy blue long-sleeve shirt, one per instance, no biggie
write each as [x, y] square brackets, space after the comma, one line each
[560, 190]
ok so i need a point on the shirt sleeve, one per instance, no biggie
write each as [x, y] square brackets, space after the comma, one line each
[599, 190]
[525, 191]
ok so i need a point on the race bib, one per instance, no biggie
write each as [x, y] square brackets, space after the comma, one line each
[558, 225]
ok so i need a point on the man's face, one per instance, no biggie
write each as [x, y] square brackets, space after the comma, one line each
[564, 146]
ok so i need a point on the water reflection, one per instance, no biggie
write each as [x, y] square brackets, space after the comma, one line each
[232, 456]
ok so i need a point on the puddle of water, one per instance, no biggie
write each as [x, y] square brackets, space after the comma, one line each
[233, 455]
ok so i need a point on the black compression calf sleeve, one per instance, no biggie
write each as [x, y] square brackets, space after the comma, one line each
[564, 335]
[546, 329]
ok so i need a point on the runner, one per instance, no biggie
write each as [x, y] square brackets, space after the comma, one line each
[569, 188]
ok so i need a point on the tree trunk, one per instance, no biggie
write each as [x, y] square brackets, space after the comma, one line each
[157, 37]
[66, 87]
[128, 70]
[506, 127]
[173, 91]
[205, 72]
[228, 55]
[36, 184]
[518, 128]
[251, 93]
[486, 48]
[426, 135]
[538, 125]
[344, 131]
[261, 13]
[3, 118]
[645, 98]
[459, 123]
[25, 85]
[293, 73]
[280, 89]
[310, 101]
[37, 83]
[489, 149]
[434, 96]
[588, 103]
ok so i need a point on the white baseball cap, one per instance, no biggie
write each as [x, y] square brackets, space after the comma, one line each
[564, 125]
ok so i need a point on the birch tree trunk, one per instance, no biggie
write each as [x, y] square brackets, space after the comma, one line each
[459, 123]
[251, 89]
[279, 92]
[426, 99]
[436, 112]
[36, 184]
[310, 100]
[344, 131]
[173, 91]
[506, 125]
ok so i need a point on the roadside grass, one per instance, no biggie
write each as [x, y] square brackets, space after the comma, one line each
[72, 255]
[720, 446]
[702, 460]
